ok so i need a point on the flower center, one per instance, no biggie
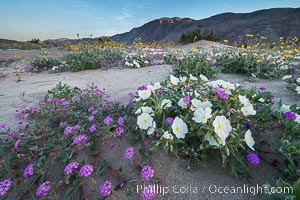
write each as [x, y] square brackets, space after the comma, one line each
[178, 129]
[220, 126]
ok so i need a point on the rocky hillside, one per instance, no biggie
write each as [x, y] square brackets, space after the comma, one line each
[271, 23]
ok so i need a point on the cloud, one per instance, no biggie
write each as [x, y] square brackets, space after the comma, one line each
[124, 17]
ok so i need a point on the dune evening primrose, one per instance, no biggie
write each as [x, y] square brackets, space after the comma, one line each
[105, 189]
[168, 135]
[147, 173]
[202, 115]
[144, 94]
[86, 170]
[43, 190]
[248, 110]
[174, 80]
[249, 140]
[222, 128]
[144, 121]
[165, 103]
[179, 128]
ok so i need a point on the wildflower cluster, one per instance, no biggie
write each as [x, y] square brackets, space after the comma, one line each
[192, 115]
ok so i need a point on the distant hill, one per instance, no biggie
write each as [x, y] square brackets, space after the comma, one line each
[271, 23]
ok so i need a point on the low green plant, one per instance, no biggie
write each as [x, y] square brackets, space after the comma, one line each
[194, 64]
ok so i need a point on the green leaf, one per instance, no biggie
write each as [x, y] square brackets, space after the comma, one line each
[56, 159]
[34, 148]
[69, 193]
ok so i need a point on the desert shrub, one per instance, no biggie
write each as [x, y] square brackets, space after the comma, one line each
[93, 59]
[191, 116]
[42, 64]
[252, 64]
[194, 64]
[200, 33]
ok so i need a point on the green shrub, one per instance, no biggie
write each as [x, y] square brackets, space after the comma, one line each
[195, 64]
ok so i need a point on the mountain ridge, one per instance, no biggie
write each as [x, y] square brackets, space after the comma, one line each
[272, 23]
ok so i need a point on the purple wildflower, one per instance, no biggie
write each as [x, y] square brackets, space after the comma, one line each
[23, 106]
[272, 97]
[129, 153]
[290, 115]
[5, 186]
[24, 116]
[253, 159]
[158, 91]
[148, 192]
[248, 124]
[34, 108]
[91, 109]
[10, 133]
[120, 121]
[69, 168]
[43, 189]
[91, 118]
[187, 88]
[74, 98]
[80, 140]
[76, 127]
[17, 144]
[143, 87]
[86, 170]
[221, 92]
[28, 171]
[107, 96]
[25, 125]
[169, 120]
[49, 99]
[95, 112]
[68, 130]
[263, 88]
[103, 105]
[107, 120]
[2, 125]
[62, 124]
[186, 100]
[93, 128]
[105, 189]
[147, 173]
[119, 131]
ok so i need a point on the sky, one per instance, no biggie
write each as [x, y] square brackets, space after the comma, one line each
[48, 19]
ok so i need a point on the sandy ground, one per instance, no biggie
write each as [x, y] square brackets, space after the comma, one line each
[119, 83]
